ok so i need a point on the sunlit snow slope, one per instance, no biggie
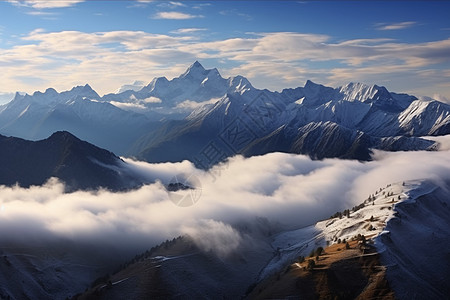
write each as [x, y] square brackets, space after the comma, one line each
[409, 225]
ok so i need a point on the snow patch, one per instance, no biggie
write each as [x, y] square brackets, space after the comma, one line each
[300, 101]
[24, 111]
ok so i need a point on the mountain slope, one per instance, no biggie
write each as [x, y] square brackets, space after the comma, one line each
[414, 246]
[402, 223]
[181, 269]
[49, 269]
[77, 163]
[338, 273]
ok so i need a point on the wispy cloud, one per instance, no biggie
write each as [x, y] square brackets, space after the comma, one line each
[190, 105]
[140, 3]
[43, 4]
[394, 26]
[41, 13]
[441, 98]
[174, 15]
[171, 4]
[201, 5]
[188, 30]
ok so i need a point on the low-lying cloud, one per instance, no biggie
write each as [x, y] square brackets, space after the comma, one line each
[215, 236]
[286, 189]
[189, 104]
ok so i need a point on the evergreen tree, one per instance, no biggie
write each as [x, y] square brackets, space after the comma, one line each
[311, 264]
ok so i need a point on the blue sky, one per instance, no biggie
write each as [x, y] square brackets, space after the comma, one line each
[402, 45]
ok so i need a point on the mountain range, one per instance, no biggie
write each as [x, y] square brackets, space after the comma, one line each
[212, 118]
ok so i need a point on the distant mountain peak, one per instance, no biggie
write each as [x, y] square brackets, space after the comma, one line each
[50, 91]
[83, 88]
[63, 135]
[312, 88]
[240, 83]
[310, 84]
[196, 64]
[195, 70]
[19, 95]
[82, 91]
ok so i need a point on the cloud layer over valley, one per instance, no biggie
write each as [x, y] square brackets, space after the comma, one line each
[288, 189]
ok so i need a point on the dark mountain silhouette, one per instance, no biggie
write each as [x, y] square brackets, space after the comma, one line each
[77, 163]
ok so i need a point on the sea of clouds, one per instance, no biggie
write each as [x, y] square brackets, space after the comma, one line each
[286, 189]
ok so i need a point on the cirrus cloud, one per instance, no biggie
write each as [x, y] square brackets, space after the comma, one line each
[44, 4]
[395, 26]
[174, 15]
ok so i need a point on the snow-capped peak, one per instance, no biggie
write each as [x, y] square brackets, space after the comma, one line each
[362, 92]
[158, 82]
[82, 91]
[316, 94]
[52, 97]
[196, 70]
[48, 92]
[239, 84]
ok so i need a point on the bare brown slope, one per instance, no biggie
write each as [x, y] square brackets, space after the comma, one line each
[338, 274]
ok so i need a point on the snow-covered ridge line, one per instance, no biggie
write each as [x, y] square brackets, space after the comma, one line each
[414, 246]
[369, 219]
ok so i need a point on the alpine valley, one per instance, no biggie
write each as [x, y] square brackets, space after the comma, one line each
[313, 192]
